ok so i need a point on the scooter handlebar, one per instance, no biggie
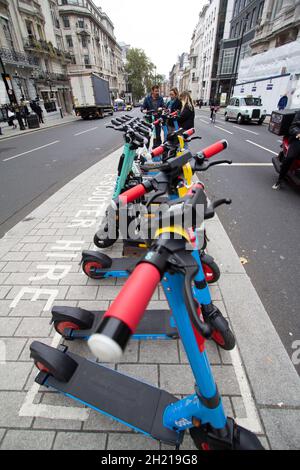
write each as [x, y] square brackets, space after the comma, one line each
[214, 149]
[158, 151]
[188, 133]
[132, 194]
[125, 313]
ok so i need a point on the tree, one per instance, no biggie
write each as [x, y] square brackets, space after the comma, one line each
[140, 74]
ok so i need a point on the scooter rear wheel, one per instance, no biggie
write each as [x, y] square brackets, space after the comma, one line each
[60, 327]
[90, 267]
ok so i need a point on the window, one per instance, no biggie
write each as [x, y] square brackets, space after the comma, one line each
[6, 31]
[237, 103]
[87, 60]
[84, 42]
[81, 23]
[253, 18]
[59, 42]
[30, 30]
[252, 101]
[260, 12]
[66, 21]
[69, 41]
[227, 64]
[232, 102]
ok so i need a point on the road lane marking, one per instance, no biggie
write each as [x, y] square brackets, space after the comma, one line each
[32, 150]
[247, 164]
[246, 130]
[84, 132]
[202, 120]
[260, 146]
[225, 130]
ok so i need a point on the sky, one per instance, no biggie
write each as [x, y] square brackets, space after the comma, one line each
[163, 28]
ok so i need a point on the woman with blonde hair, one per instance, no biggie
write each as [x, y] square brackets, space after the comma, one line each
[186, 120]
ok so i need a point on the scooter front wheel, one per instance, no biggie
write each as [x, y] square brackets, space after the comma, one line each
[222, 334]
[211, 270]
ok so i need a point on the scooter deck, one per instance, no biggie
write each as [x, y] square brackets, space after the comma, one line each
[134, 403]
[121, 264]
[155, 324]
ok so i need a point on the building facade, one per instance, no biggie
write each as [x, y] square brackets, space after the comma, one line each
[205, 50]
[243, 16]
[179, 74]
[273, 69]
[33, 55]
[88, 36]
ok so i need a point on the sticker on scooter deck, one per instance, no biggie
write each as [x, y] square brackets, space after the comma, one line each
[135, 403]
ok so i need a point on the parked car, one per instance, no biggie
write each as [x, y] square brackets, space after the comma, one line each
[245, 109]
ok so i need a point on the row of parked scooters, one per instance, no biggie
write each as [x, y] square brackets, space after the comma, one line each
[159, 197]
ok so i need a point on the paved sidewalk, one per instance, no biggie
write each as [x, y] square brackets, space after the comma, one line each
[8, 132]
[258, 383]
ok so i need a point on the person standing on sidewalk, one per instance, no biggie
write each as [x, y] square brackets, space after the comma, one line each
[37, 110]
[154, 102]
[186, 120]
[174, 103]
[11, 117]
[24, 112]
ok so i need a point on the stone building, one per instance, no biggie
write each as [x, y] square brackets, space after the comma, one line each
[89, 37]
[33, 54]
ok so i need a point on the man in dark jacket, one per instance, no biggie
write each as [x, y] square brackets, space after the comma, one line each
[293, 150]
[154, 102]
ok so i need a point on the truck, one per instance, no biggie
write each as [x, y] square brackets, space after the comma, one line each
[91, 96]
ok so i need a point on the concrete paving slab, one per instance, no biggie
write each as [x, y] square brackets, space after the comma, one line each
[282, 428]
[28, 440]
[80, 441]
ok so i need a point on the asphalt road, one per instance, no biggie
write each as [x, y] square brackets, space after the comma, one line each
[263, 224]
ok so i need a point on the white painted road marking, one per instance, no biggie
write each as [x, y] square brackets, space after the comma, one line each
[32, 150]
[246, 130]
[225, 130]
[84, 132]
[205, 122]
[247, 164]
[252, 422]
[264, 148]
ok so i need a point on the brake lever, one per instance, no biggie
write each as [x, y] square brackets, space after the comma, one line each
[210, 210]
[203, 328]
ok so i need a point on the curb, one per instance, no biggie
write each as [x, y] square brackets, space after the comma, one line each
[30, 131]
